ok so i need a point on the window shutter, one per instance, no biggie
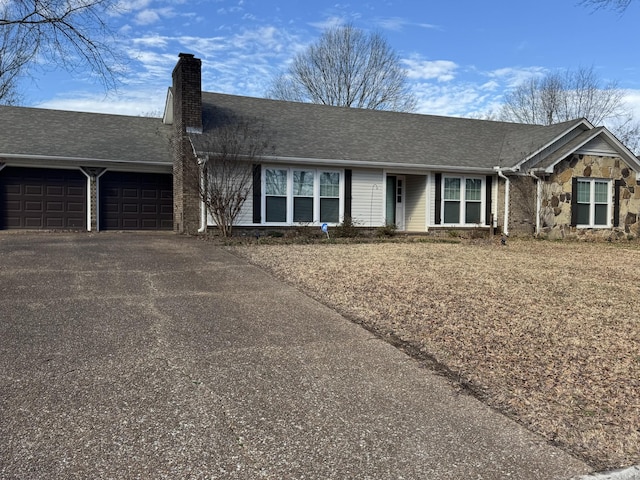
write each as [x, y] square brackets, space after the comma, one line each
[257, 193]
[437, 216]
[488, 196]
[347, 193]
[616, 203]
[574, 201]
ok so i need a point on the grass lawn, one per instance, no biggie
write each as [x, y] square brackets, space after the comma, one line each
[547, 332]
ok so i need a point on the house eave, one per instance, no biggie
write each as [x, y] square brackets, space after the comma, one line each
[278, 159]
[39, 160]
[582, 122]
[623, 151]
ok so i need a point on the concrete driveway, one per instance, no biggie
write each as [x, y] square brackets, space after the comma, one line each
[158, 356]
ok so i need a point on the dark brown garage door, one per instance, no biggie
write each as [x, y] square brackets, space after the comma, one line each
[136, 201]
[41, 198]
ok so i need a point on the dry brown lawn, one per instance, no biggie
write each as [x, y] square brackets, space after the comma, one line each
[547, 332]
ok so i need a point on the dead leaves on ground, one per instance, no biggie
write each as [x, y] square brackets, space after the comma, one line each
[550, 331]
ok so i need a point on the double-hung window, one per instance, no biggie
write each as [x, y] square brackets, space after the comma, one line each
[473, 200]
[276, 195]
[452, 197]
[462, 200]
[329, 197]
[593, 202]
[294, 195]
[303, 193]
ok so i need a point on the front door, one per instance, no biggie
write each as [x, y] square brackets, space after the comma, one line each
[394, 211]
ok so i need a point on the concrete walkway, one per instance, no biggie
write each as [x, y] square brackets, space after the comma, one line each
[157, 356]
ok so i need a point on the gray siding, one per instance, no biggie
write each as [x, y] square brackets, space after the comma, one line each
[598, 146]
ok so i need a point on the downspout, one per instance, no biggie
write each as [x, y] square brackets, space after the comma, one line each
[203, 207]
[538, 200]
[505, 228]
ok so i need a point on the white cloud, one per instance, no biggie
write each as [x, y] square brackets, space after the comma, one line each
[398, 23]
[429, 26]
[632, 99]
[457, 100]
[440, 70]
[392, 23]
[147, 17]
[153, 41]
[242, 63]
[131, 102]
[514, 76]
[128, 6]
[329, 22]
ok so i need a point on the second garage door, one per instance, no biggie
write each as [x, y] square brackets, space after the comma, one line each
[136, 201]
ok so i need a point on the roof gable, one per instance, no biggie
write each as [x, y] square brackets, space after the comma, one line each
[580, 143]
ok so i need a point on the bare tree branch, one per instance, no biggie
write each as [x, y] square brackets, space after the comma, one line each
[568, 95]
[347, 67]
[618, 5]
[226, 177]
[68, 33]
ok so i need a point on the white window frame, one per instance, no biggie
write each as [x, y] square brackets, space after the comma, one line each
[290, 195]
[265, 195]
[313, 191]
[592, 202]
[463, 201]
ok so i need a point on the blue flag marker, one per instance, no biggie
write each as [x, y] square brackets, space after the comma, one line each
[325, 229]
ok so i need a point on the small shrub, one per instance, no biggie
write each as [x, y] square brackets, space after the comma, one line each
[348, 228]
[389, 230]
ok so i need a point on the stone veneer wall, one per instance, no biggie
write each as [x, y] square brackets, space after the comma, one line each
[556, 195]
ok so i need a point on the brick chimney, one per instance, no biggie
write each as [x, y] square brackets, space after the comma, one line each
[187, 93]
[187, 119]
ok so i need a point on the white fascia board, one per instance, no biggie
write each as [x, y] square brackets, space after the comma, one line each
[623, 151]
[505, 170]
[583, 122]
[411, 167]
[37, 161]
[167, 117]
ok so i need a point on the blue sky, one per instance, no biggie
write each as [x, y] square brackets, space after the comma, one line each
[461, 56]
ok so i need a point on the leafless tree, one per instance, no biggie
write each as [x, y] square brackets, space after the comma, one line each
[227, 172]
[619, 5]
[347, 67]
[68, 33]
[568, 95]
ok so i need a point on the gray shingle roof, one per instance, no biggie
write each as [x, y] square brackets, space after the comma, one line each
[76, 135]
[302, 130]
